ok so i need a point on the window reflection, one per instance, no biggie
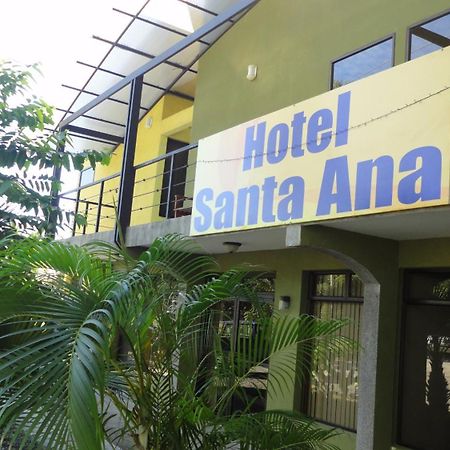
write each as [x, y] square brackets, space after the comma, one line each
[332, 395]
[430, 36]
[366, 62]
[428, 286]
[437, 390]
[330, 285]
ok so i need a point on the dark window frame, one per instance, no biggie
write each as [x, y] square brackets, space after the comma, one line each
[346, 298]
[311, 299]
[359, 50]
[418, 24]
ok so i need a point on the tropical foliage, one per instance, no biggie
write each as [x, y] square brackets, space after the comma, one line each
[29, 154]
[66, 383]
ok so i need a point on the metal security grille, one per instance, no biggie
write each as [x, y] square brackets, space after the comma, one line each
[332, 395]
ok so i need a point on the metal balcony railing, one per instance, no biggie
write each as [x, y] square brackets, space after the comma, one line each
[163, 189]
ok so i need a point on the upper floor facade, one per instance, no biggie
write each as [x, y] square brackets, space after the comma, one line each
[299, 51]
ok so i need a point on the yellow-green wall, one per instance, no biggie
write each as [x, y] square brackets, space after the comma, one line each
[386, 260]
[171, 117]
[293, 43]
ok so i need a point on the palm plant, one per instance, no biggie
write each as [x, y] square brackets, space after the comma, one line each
[65, 383]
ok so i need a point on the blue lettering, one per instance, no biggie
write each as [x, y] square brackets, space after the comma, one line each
[298, 123]
[291, 207]
[343, 119]
[248, 199]
[319, 122]
[254, 146]
[277, 143]
[384, 182]
[335, 174]
[429, 175]
[268, 189]
[223, 218]
[202, 224]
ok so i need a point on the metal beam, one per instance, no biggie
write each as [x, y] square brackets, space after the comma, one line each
[213, 24]
[99, 119]
[128, 173]
[53, 214]
[145, 83]
[141, 53]
[156, 24]
[111, 99]
[88, 138]
[431, 36]
[95, 134]
[200, 8]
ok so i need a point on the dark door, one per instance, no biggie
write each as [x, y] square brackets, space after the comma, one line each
[425, 380]
[238, 330]
[173, 182]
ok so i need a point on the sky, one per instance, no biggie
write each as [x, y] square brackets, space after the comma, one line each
[54, 33]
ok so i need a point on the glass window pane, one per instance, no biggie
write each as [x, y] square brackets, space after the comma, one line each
[364, 63]
[329, 285]
[86, 176]
[430, 36]
[356, 287]
[333, 393]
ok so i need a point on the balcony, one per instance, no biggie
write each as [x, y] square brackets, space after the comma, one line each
[163, 189]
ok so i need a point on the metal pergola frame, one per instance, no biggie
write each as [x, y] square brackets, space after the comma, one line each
[136, 80]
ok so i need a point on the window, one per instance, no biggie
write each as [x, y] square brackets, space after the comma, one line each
[373, 59]
[429, 36]
[86, 176]
[174, 177]
[237, 329]
[332, 394]
[425, 376]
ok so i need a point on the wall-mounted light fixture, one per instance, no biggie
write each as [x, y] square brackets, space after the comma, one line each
[285, 302]
[252, 72]
[231, 247]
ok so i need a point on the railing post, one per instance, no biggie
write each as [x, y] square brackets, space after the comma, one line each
[99, 208]
[74, 230]
[54, 193]
[169, 187]
[127, 174]
[86, 212]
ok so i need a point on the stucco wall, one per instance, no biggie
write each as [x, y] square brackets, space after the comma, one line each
[293, 43]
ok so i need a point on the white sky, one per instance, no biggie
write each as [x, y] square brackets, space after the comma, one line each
[56, 33]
